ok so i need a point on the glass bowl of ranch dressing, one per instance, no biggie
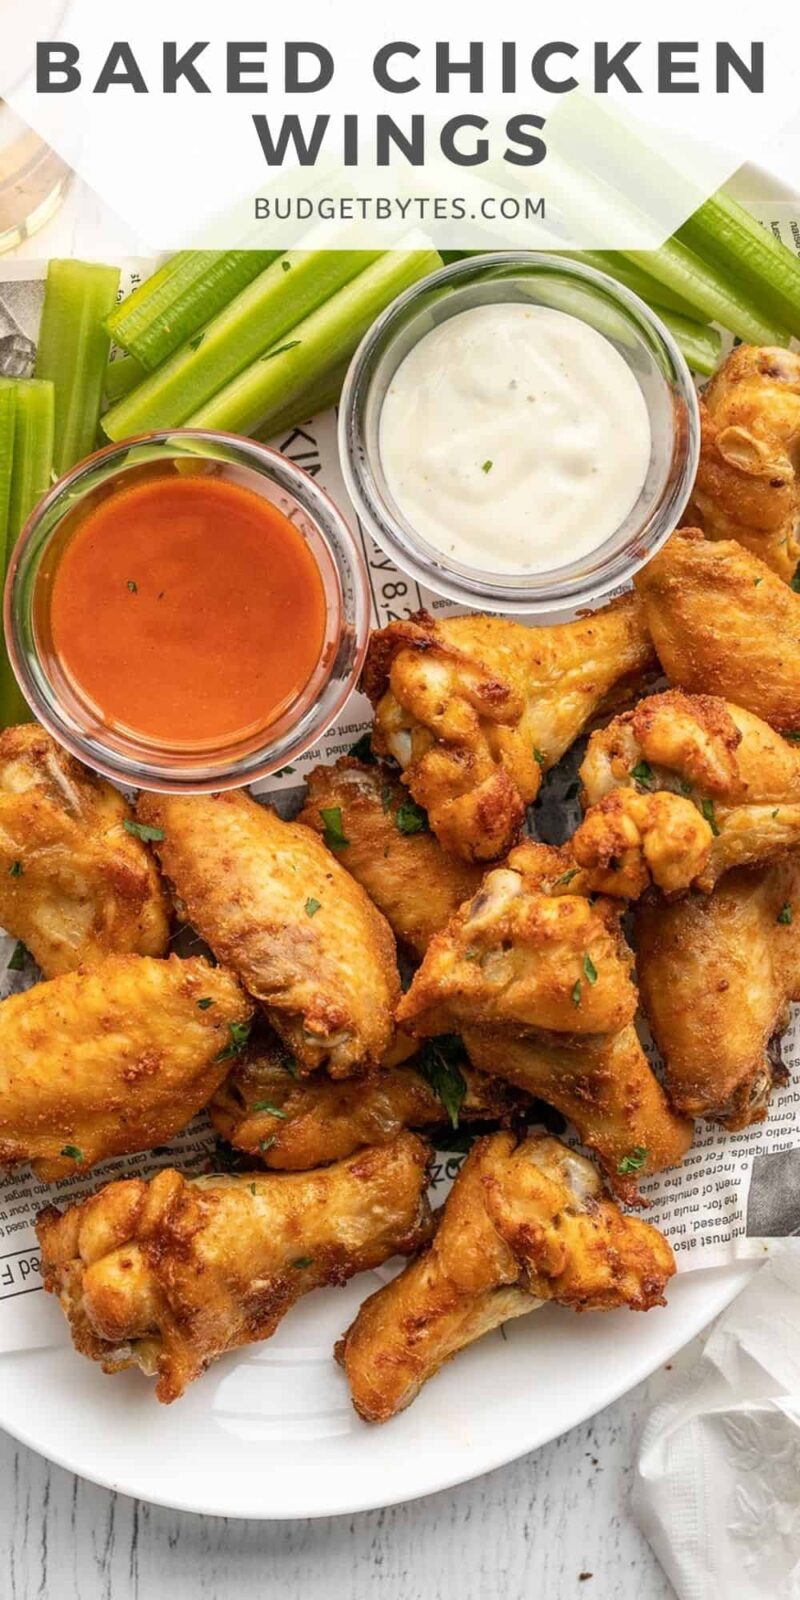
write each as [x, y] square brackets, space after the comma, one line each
[519, 431]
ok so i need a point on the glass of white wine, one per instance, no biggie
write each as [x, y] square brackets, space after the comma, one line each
[32, 180]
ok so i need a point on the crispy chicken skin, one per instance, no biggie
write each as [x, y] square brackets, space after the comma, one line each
[170, 1274]
[689, 753]
[116, 1059]
[292, 1124]
[525, 960]
[607, 1090]
[278, 908]
[523, 1223]
[75, 885]
[748, 480]
[717, 973]
[724, 624]
[407, 875]
[476, 708]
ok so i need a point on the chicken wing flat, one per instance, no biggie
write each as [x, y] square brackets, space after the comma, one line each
[170, 1274]
[292, 1124]
[523, 1223]
[116, 1059]
[748, 479]
[280, 911]
[717, 973]
[724, 624]
[605, 1087]
[390, 851]
[75, 884]
[476, 708]
[687, 753]
[517, 958]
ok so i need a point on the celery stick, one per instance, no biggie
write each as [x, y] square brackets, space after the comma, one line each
[311, 403]
[31, 475]
[73, 352]
[699, 345]
[262, 314]
[634, 278]
[180, 298]
[329, 336]
[8, 417]
[714, 296]
[122, 375]
[722, 231]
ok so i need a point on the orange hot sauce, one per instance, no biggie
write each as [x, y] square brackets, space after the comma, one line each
[187, 610]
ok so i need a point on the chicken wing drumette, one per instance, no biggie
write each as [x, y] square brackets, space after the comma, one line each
[390, 850]
[724, 624]
[680, 790]
[716, 974]
[748, 479]
[523, 1223]
[75, 883]
[279, 910]
[116, 1059]
[170, 1274]
[476, 708]
[292, 1123]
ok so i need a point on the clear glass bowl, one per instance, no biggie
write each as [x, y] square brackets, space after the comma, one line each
[649, 351]
[128, 757]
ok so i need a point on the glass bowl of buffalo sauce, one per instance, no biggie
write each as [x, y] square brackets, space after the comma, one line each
[187, 611]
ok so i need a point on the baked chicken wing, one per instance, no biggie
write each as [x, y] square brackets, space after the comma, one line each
[75, 884]
[605, 1087]
[116, 1059]
[724, 624]
[716, 974]
[681, 789]
[280, 910]
[170, 1274]
[293, 1124]
[525, 960]
[476, 708]
[390, 850]
[748, 479]
[523, 1223]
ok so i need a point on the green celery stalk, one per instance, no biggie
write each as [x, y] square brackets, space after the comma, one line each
[623, 271]
[8, 419]
[262, 314]
[311, 403]
[700, 345]
[714, 297]
[30, 477]
[290, 371]
[180, 298]
[722, 231]
[122, 375]
[73, 352]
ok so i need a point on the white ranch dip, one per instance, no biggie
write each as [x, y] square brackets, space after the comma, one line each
[514, 438]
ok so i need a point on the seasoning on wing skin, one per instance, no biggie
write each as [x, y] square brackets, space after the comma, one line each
[748, 478]
[170, 1274]
[691, 754]
[281, 911]
[716, 974]
[75, 883]
[116, 1059]
[724, 624]
[390, 851]
[476, 708]
[291, 1123]
[523, 1223]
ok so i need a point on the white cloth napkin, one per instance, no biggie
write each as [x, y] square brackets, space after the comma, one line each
[717, 1481]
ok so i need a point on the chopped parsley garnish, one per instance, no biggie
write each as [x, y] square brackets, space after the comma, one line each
[633, 1161]
[143, 830]
[589, 969]
[538, 757]
[239, 1035]
[335, 836]
[566, 877]
[472, 953]
[281, 350]
[362, 750]
[438, 1064]
[252, 1188]
[576, 993]
[708, 813]
[16, 869]
[795, 583]
[286, 266]
[194, 344]
[775, 812]
[286, 1060]
[283, 772]
[264, 1144]
[487, 466]
[386, 798]
[312, 906]
[785, 914]
[756, 582]
[274, 1111]
[410, 818]
[72, 1151]
[643, 774]
[303, 1261]
[134, 587]
[203, 1005]
[686, 788]
[19, 956]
